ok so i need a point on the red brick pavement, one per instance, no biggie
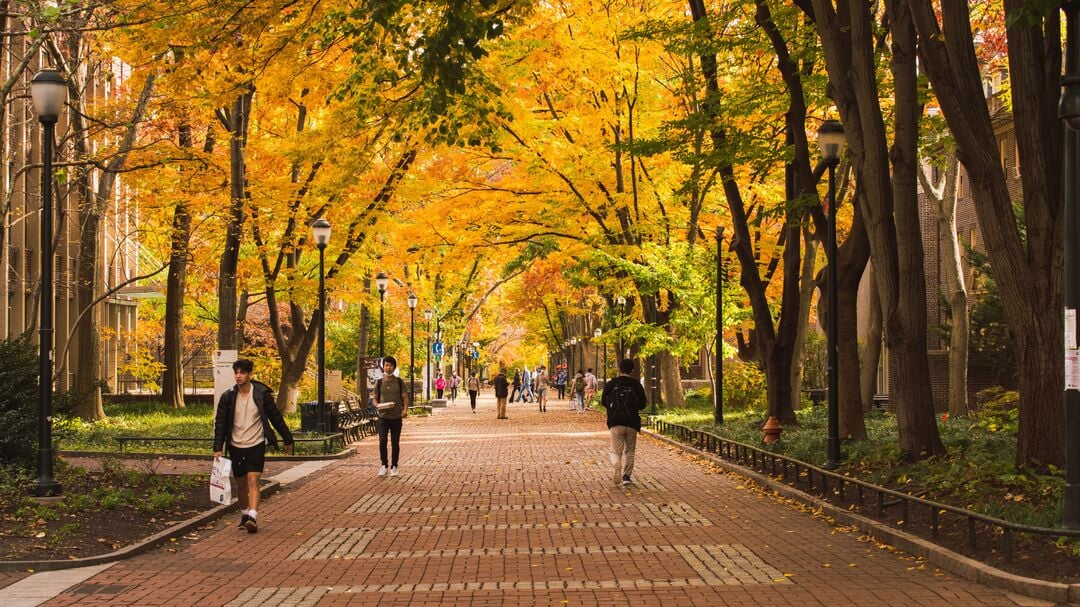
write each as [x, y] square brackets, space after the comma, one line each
[524, 512]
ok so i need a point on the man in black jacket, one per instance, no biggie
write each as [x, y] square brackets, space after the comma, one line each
[623, 398]
[242, 430]
[502, 388]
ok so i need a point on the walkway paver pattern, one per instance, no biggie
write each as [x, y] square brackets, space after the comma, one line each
[525, 512]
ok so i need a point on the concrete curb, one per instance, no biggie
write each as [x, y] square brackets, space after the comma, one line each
[139, 547]
[957, 564]
[204, 456]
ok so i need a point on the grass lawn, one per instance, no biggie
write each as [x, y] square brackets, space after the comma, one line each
[977, 473]
[153, 419]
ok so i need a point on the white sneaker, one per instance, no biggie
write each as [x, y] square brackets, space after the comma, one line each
[382, 471]
[393, 471]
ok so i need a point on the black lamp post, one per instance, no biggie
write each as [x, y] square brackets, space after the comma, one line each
[573, 352]
[475, 355]
[381, 281]
[718, 397]
[427, 365]
[831, 141]
[1069, 111]
[412, 348]
[49, 92]
[320, 231]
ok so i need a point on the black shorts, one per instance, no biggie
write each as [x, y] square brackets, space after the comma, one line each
[247, 459]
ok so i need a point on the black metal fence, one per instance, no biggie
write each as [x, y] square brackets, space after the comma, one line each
[832, 486]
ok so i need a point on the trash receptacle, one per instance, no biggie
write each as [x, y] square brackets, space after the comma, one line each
[309, 416]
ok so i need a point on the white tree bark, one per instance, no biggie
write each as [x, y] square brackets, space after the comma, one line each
[943, 198]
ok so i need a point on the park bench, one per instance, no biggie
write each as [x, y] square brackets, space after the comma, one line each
[327, 441]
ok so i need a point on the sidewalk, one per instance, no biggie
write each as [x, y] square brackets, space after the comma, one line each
[524, 512]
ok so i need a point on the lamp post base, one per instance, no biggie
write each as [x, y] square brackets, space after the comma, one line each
[49, 488]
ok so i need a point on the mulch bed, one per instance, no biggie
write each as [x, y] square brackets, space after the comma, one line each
[61, 530]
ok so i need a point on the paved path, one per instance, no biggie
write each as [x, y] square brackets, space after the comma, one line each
[524, 512]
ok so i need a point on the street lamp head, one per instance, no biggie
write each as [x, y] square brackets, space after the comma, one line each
[381, 281]
[620, 300]
[320, 231]
[49, 92]
[566, 343]
[412, 300]
[831, 140]
[573, 341]
[476, 344]
[427, 314]
[597, 332]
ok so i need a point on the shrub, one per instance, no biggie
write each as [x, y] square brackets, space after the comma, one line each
[18, 401]
[744, 386]
[998, 410]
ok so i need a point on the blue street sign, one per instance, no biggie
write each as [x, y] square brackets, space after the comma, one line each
[476, 354]
[437, 348]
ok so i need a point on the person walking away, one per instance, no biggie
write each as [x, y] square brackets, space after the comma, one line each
[440, 385]
[526, 385]
[591, 386]
[473, 386]
[560, 383]
[392, 404]
[501, 388]
[541, 388]
[517, 386]
[577, 391]
[624, 398]
[242, 430]
[455, 381]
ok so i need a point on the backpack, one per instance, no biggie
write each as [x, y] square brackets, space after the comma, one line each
[579, 384]
[622, 401]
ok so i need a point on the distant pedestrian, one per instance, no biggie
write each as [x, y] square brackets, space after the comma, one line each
[526, 385]
[392, 404]
[455, 381]
[473, 387]
[502, 387]
[541, 388]
[591, 386]
[560, 383]
[242, 431]
[517, 386]
[440, 385]
[623, 398]
[577, 391]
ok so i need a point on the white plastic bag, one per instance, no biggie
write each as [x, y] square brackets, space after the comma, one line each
[221, 481]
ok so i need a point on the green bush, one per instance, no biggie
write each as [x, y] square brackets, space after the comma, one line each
[998, 410]
[744, 386]
[18, 401]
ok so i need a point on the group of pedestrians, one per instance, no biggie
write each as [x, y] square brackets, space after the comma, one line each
[247, 416]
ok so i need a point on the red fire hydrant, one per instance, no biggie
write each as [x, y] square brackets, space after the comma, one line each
[772, 430]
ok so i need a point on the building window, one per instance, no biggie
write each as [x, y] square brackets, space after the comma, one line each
[1016, 162]
[1002, 147]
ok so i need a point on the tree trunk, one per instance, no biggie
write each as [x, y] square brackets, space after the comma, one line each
[854, 256]
[362, 347]
[671, 380]
[806, 299]
[944, 199]
[891, 209]
[292, 373]
[172, 384]
[871, 350]
[236, 122]
[1029, 266]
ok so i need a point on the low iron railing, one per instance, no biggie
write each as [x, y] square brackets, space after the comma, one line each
[831, 484]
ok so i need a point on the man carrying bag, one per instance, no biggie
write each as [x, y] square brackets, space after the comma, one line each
[242, 429]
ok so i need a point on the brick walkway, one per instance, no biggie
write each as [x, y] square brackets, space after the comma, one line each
[524, 512]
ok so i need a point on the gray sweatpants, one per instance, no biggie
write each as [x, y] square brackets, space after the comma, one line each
[623, 444]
